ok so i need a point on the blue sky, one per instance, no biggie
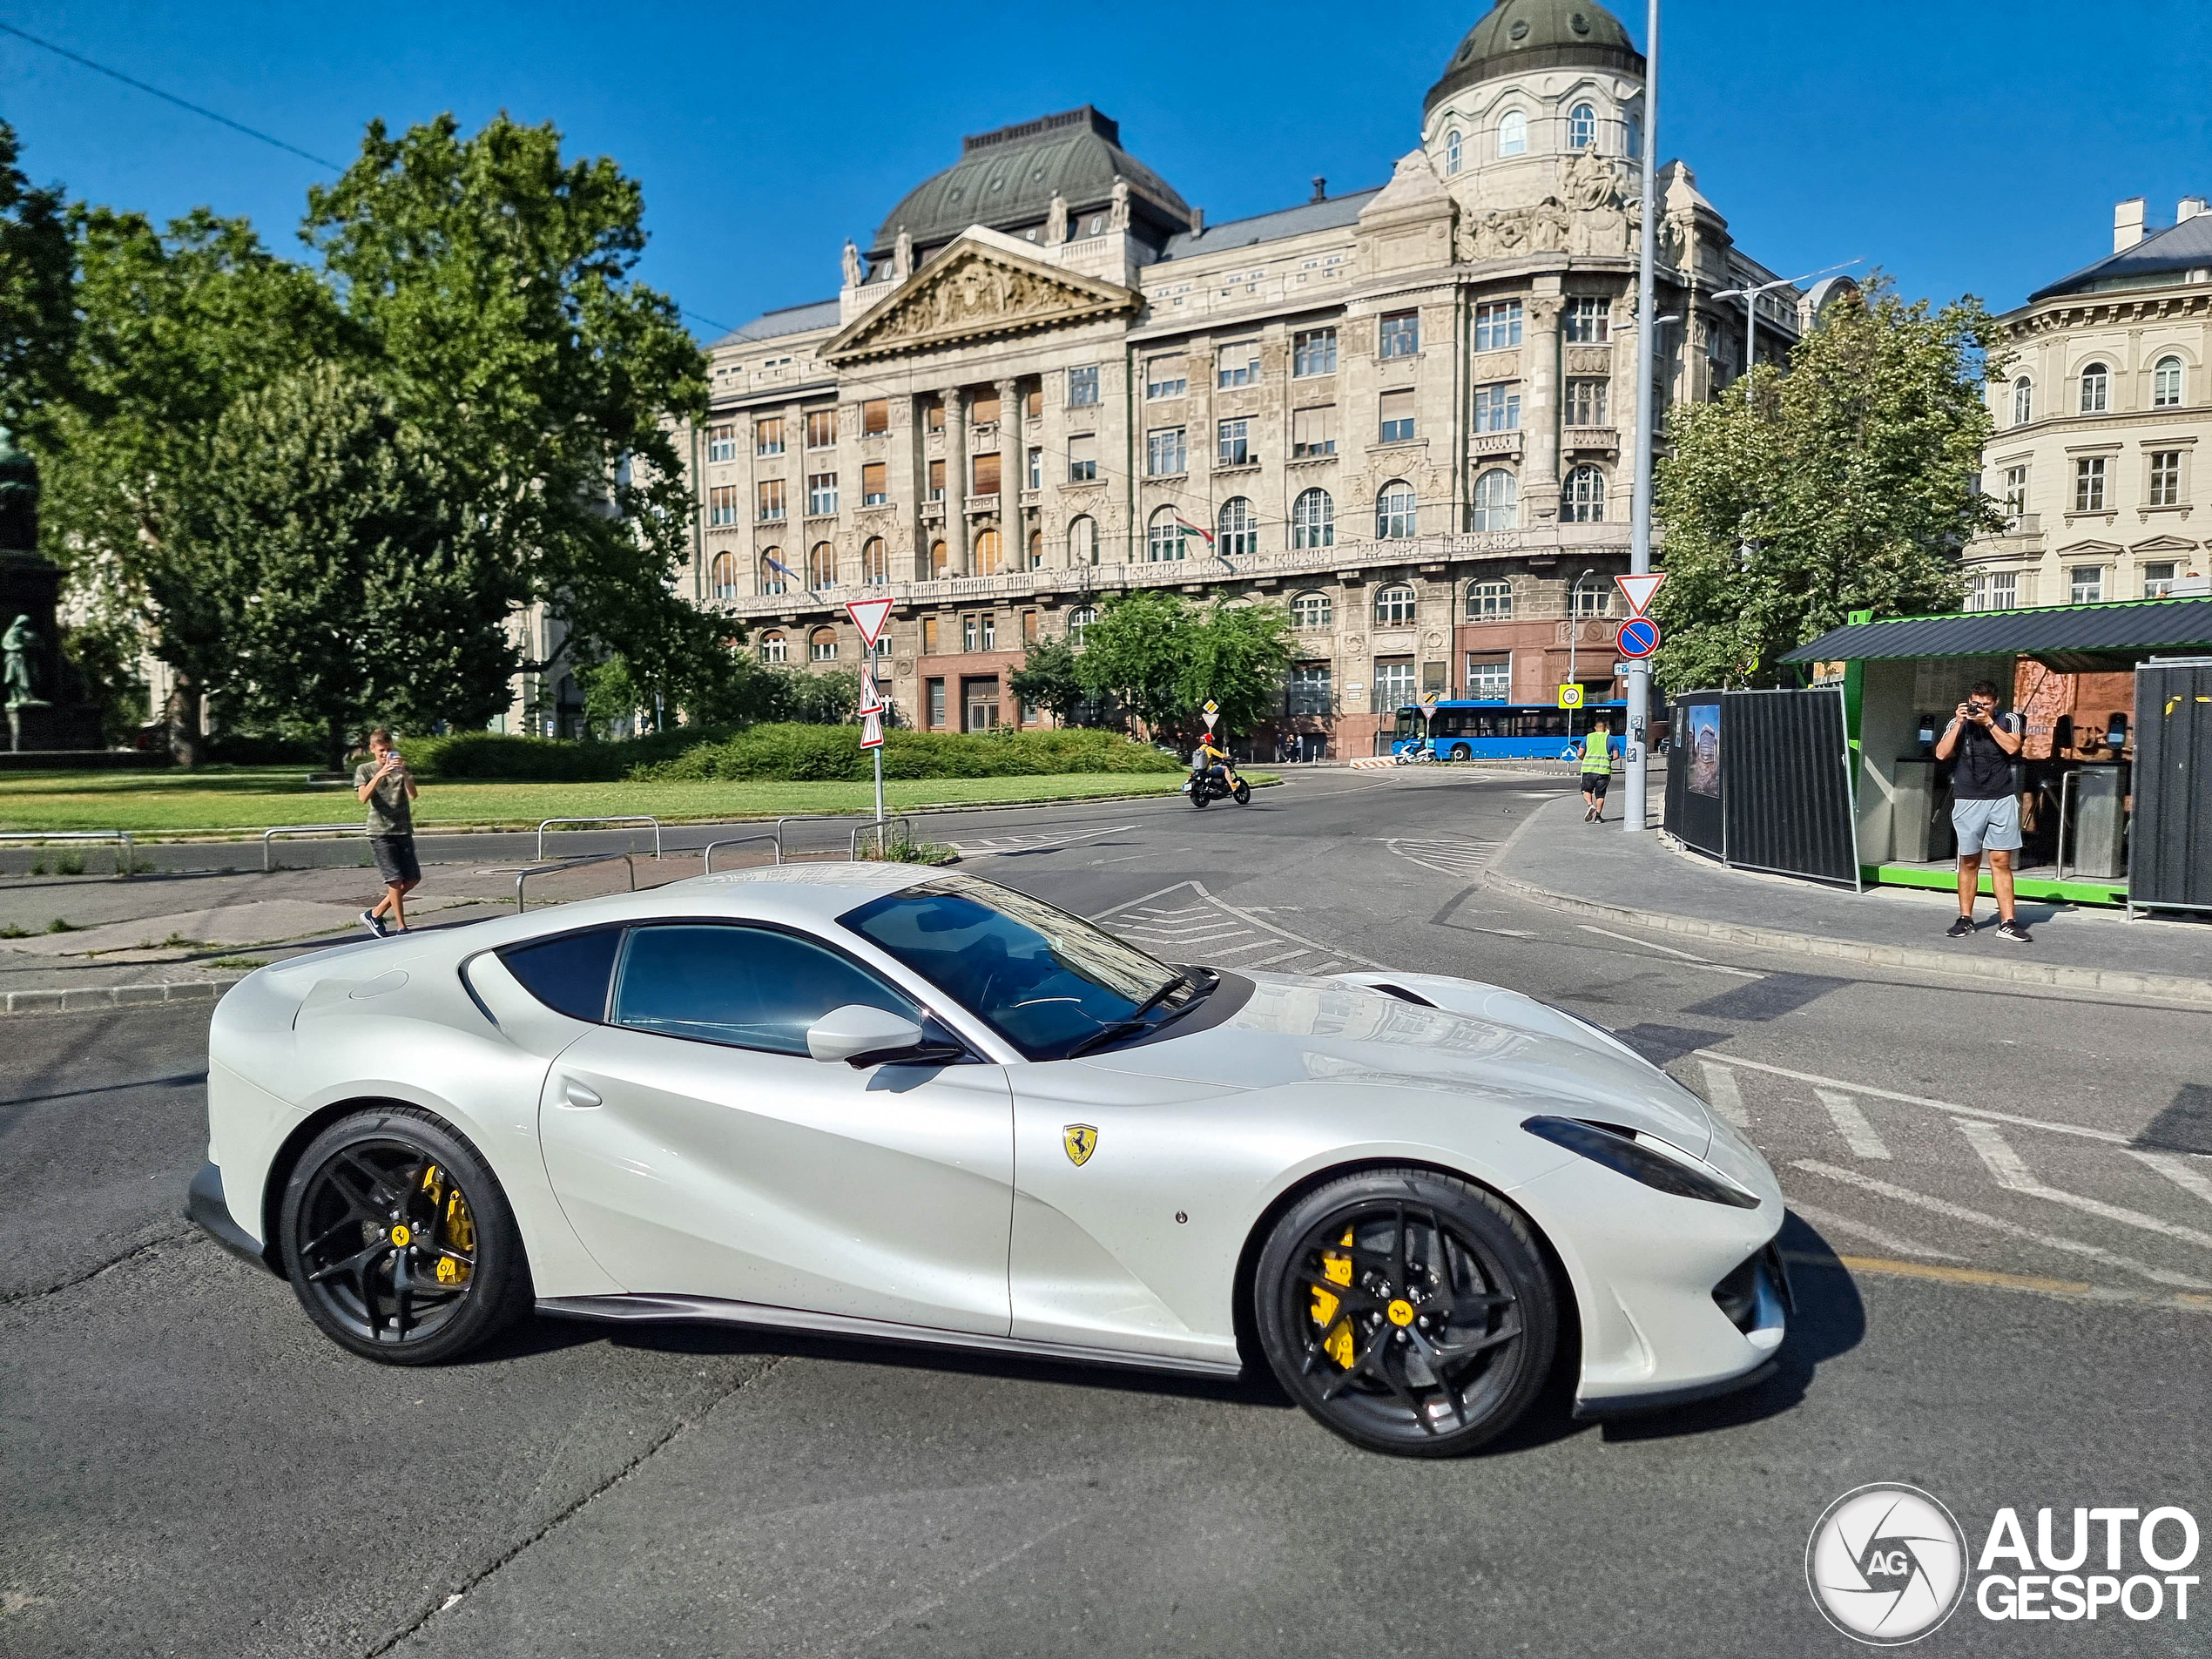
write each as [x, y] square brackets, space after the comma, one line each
[1968, 145]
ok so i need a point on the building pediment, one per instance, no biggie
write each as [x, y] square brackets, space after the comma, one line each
[2091, 545]
[2163, 544]
[976, 289]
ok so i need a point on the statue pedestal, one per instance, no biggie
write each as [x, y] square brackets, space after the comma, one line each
[49, 727]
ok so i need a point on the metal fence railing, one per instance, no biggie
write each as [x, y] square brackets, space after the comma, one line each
[869, 840]
[126, 856]
[740, 841]
[521, 876]
[269, 835]
[638, 817]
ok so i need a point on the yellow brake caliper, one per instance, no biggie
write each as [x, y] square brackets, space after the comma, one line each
[460, 1230]
[1338, 1269]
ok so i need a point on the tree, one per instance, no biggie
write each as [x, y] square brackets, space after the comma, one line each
[38, 314]
[1134, 653]
[1049, 679]
[1848, 483]
[1235, 655]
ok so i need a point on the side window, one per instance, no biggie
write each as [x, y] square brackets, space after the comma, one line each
[747, 986]
[568, 974]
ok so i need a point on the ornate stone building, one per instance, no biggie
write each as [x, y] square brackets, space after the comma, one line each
[2103, 418]
[1405, 414]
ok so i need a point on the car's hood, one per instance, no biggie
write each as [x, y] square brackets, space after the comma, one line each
[1489, 1045]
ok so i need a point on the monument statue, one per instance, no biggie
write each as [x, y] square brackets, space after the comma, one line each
[852, 264]
[20, 674]
[1118, 216]
[902, 256]
[1055, 223]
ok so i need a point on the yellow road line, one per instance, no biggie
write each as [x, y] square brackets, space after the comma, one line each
[1986, 1279]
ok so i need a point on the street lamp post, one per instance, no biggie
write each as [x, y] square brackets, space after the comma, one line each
[1632, 815]
[1750, 298]
[1573, 625]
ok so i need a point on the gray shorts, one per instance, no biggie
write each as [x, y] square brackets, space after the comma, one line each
[1987, 826]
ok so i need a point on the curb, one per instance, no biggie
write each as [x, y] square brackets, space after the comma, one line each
[117, 996]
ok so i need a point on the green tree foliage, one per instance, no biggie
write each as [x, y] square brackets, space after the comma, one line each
[1134, 654]
[1848, 483]
[37, 315]
[1161, 658]
[1049, 679]
[1236, 654]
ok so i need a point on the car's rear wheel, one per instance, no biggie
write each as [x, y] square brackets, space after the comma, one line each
[399, 1242]
[1410, 1311]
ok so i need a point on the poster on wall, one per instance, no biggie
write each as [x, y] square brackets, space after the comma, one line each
[1703, 742]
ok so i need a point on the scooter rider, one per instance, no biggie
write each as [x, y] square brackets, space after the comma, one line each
[1209, 760]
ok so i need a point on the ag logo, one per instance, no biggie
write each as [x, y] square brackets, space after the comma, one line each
[1886, 1564]
[1080, 1139]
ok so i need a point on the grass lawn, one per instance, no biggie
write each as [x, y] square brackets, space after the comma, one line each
[252, 797]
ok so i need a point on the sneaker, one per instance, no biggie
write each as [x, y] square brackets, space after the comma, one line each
[374, 923]
[1961, 928]
[2012, 932]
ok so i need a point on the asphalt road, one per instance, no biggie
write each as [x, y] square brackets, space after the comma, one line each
[2004, 1251]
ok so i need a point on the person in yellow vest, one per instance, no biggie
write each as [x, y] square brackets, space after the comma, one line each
[1597, 771]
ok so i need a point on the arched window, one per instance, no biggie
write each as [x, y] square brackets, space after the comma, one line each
[1036, 550]
[2023, 400]
[1162, 537]
[771, 570]
[2166, 384]
[875, 561]
[938, 561]
[1583, 499]
[2096, 388]
[774, 647]
[1495, 499]
[1238, 528]
[726, 576]
[990, 553]
[1314, 611]
[1083, 540]
[1394, 606]
[822, 645]
[821, 567]
[1513, 133]
[1489, 601]
[1451, 151]
[1313, 519]
[1636, 136]
[1079, 621]
[1396, 514]
[1582, 127]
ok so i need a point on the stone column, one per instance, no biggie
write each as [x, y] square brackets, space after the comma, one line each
[1540, 419]
[956, 482]
[1013, 472]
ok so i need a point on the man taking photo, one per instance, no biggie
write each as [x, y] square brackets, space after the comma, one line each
[1984, 807]
[383, 784]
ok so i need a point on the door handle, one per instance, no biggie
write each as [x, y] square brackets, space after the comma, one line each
[577, 1095]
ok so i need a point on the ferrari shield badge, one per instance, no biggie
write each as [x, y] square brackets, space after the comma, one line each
[1079, 1139]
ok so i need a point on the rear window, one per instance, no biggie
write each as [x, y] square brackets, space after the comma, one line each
[568, 974]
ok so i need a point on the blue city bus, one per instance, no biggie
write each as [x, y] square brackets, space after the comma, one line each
[1468, 731]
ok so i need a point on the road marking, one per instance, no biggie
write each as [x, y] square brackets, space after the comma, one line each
[1984, 1279]
[1869, 1090]
[2176, 1171]
[1829, 1221]
[1152, 901]
[1325, 967]
[1852, 1124]
[1688, 961]
[989, 847]
[1996, 1224]
[1723, 1096]
[1279, 956]
[1444, 857]
[2012, 1174]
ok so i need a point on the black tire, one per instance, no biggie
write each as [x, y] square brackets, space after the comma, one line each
[456, 1278]
[1461, 752]
[1377, 1343]
[1201, 792]
[1243, 792]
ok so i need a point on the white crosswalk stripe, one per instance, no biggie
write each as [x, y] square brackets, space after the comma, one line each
[1723, 1095]
[1852, 1124]
[1169, 924]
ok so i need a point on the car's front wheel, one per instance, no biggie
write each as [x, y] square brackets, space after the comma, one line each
[1410, 1311]
[398, 1240]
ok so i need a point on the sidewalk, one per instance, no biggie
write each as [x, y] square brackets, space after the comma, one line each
[1601, 871]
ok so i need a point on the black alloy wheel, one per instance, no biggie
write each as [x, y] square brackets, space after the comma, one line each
[398, 1241]
[1410, 1311]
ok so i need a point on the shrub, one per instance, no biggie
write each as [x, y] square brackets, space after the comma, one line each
[505, 757]
[832, 753]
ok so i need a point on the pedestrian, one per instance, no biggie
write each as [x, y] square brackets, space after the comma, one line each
[1985, 805]
[383, 784]
[1597, 770]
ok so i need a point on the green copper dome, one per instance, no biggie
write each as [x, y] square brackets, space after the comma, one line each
[1519, 36]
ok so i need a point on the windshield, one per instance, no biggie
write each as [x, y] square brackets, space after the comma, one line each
[1040, 978]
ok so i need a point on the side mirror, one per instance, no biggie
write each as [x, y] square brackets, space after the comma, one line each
[864, 1037]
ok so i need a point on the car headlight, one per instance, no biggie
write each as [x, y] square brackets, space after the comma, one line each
[1618, 1150]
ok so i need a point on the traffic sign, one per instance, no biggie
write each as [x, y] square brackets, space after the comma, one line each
[870, 700]
[868, 616]
[1638, 637]
[871, 729]
[1570, 696]
[1638, 589]
[1212, 712]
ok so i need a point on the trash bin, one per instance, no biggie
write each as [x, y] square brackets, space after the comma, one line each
[2099, 823]
[1924, 831]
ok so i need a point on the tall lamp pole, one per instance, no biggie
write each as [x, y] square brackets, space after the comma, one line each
[1573, 630]
[1632, 817]
[1750, 298]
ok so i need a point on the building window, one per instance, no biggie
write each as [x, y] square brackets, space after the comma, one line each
[1491, 681]
[937, 705]
[990, 631]
[1451, 143]
[1497, 325]
[1079, 621]
[722, 504]
[875, 416]
[721, 443]
[821, 494]
[1313, 519]
[1165, 377]
[2089, 484]
[1311, 691]
[821, 429]
[1164, 455]
[1082, 459]
[1394, 606]
[774, 648]
[1035, 473]
[1029, 627]
[1036, 550]
[936, 485]
[875, 561]
[1592, 601]
[1313, 432]
[1582, 127]
[772, 571]
[1396, 514]
[1313, 352]
[876, 483]
[1401, 335]
[1033, 402]
[1497, 408]
[1393, 686]
[1583, 499]
[1992, 590]
[1489, 601]
[929, 636]
[1589, 321]
[2085, 584]
[1513, 133]
[1238, 365]
[1237, 528]
[1398, 417]
[2023, 400]
[2166, 384]
[1162, 537]
[822, 645]
[768, 436]
[2166, 478]
[821, 567]
[990, 552]
[970, 635]
[983, 409]
[1586, 402]
[984, 475]
[1083, 540]
[1313, 611]
[940, 561]
[2158, 579]
[725, 578]
[1232, 446]
[1496, 499]
[933, 415]
[1083, 388]
[2096, 388]
[2015, 497]
[771, 498]
[1636, 136]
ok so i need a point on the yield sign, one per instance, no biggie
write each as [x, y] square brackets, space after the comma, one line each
[868, 616]
[1638, 589]
[1212, 712]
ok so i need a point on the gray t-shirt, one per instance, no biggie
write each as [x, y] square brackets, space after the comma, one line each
[389, 813]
